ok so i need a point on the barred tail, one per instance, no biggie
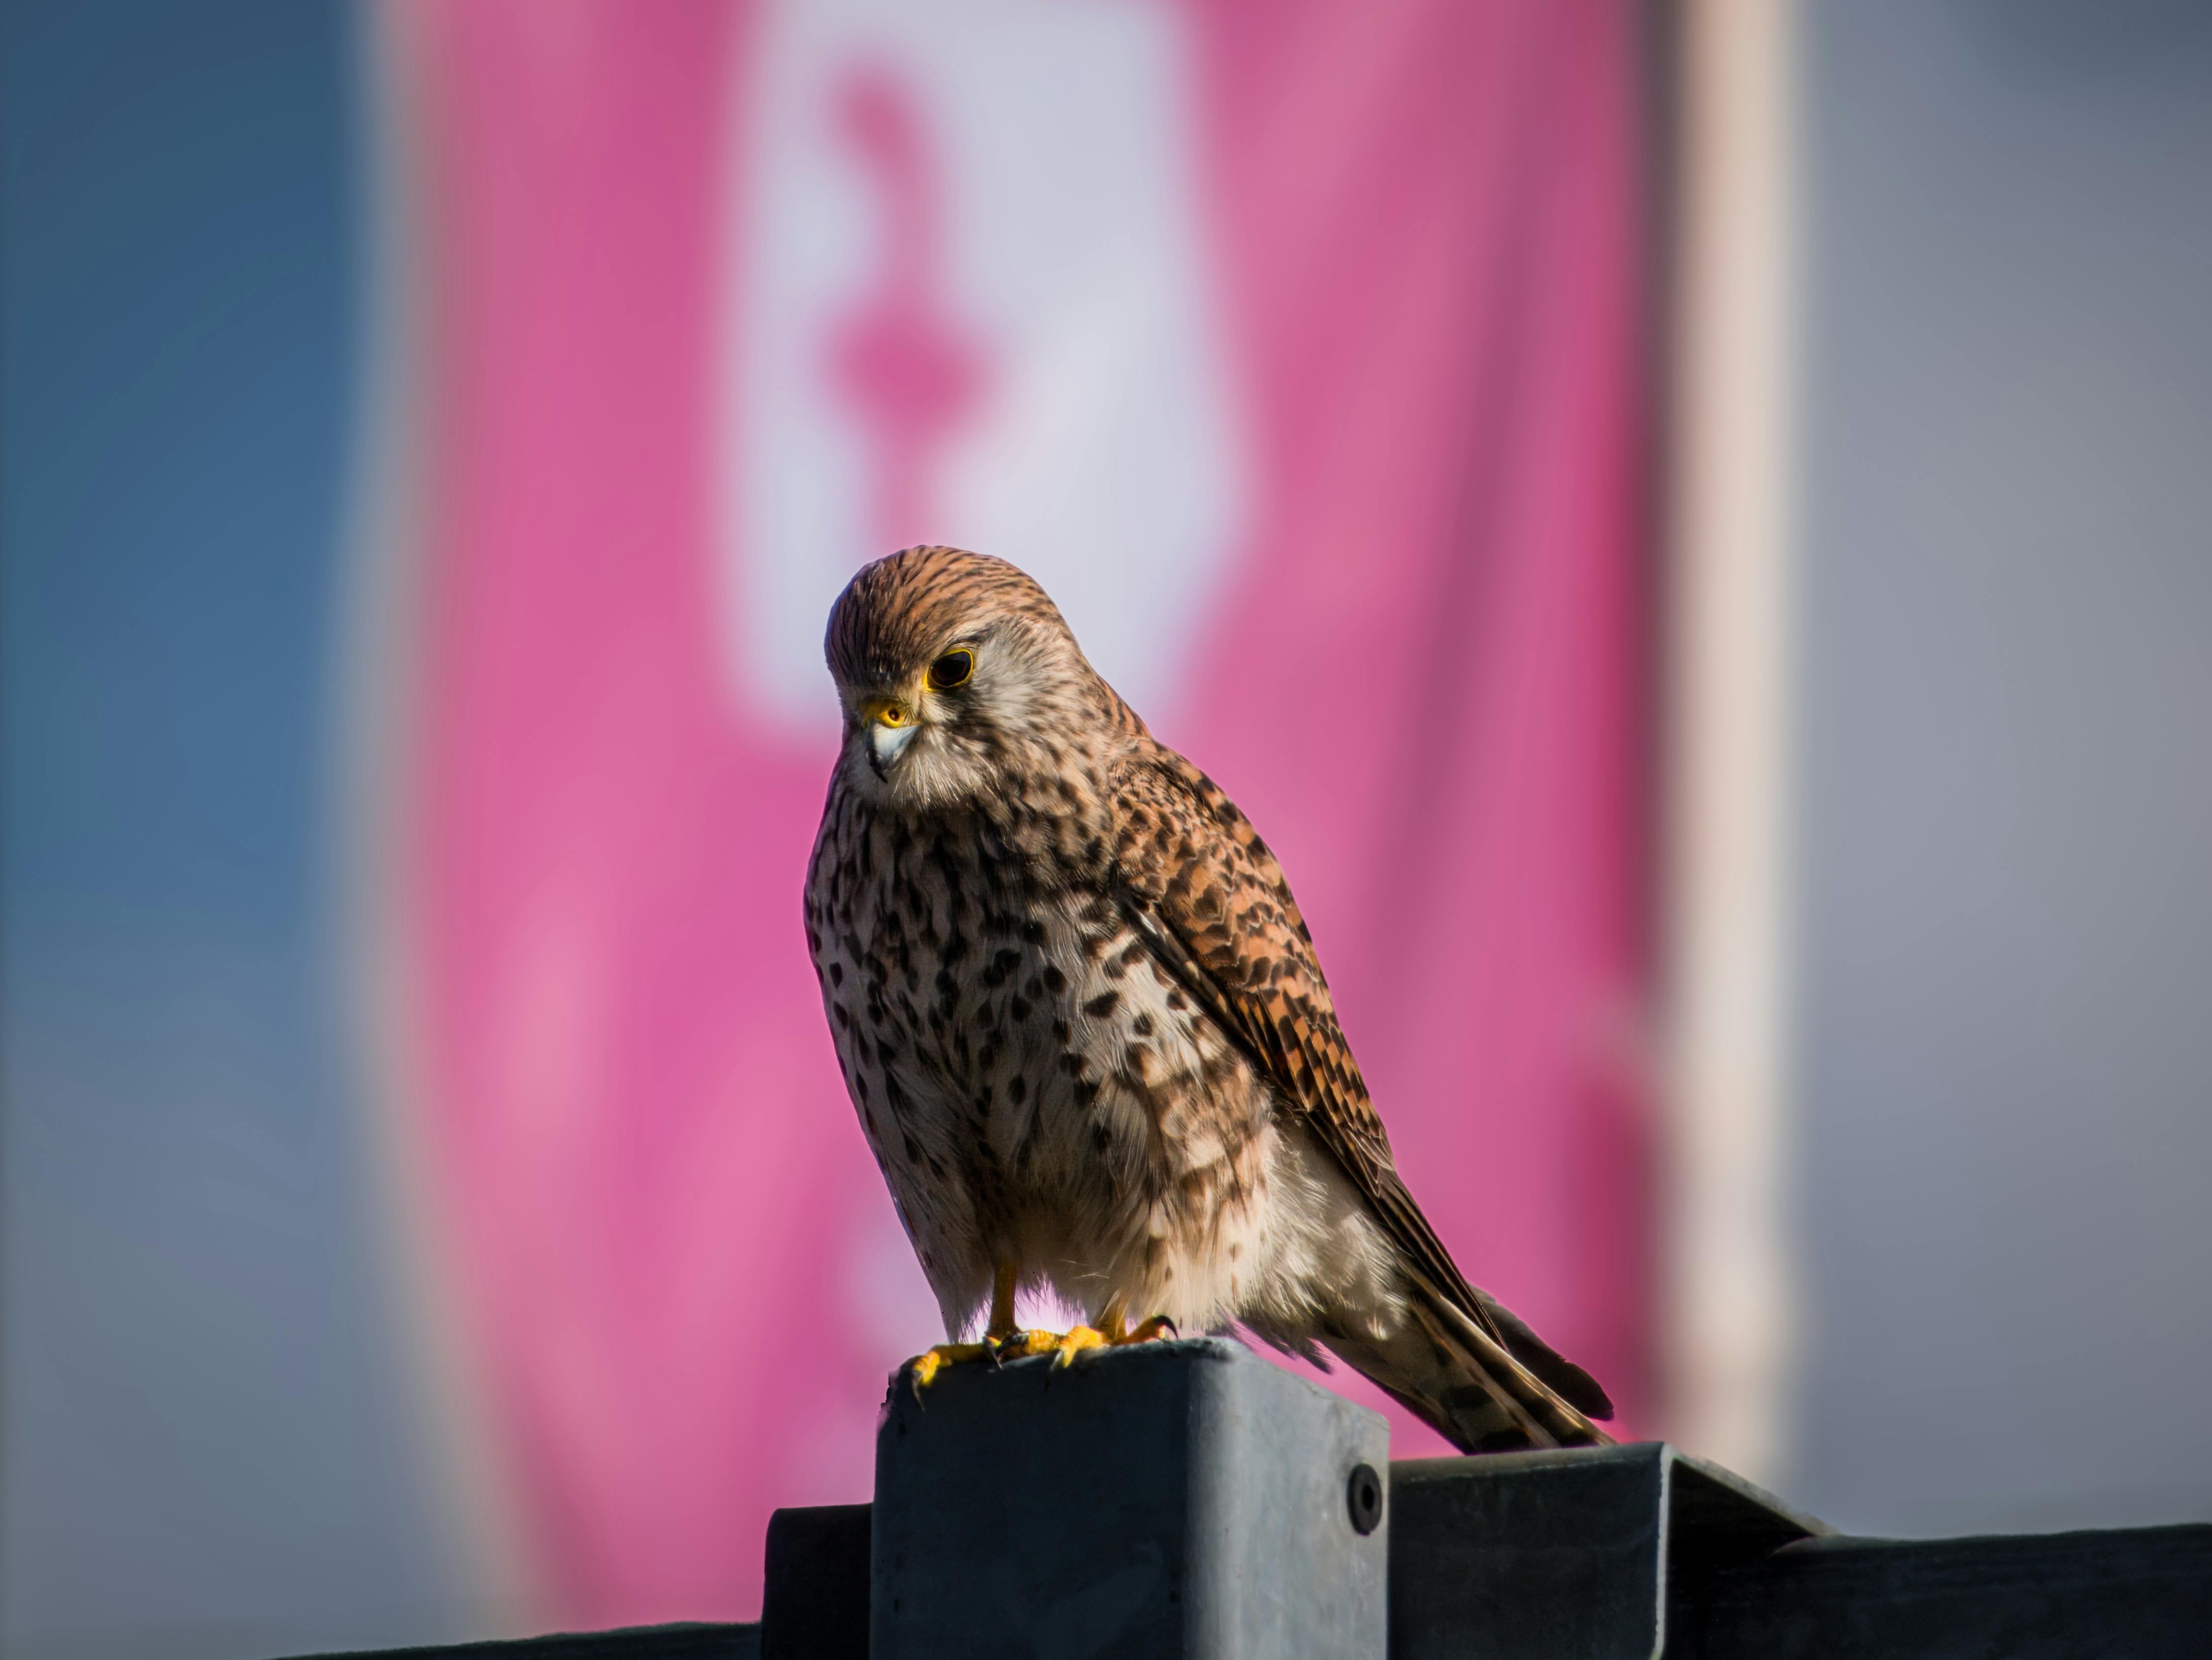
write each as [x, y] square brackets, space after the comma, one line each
[1481, 1394]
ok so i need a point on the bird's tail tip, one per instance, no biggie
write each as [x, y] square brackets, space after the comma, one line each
[1482, 1394]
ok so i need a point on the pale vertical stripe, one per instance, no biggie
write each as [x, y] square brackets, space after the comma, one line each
[1730, 1325]
[373, 819]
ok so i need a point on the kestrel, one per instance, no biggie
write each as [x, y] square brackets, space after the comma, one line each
[1087, 1034]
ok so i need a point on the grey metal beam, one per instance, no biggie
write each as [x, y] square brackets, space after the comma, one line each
[1181, 1499]
[1575, 1552]
[2145, 1593]
[814, 1598]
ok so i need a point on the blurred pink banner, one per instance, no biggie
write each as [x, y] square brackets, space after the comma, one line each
[1294, 347]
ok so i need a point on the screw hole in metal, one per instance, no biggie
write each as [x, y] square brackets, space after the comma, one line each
[1364, 1494]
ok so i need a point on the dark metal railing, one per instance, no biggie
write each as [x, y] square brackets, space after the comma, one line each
[1188, 1499]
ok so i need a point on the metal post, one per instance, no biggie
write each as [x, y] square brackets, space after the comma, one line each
[1180, 1499]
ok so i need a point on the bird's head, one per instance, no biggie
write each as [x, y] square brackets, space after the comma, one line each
[959, 679]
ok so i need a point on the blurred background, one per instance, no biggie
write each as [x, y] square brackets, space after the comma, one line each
[1684, 525]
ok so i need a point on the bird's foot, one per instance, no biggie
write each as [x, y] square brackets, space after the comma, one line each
[1112, 1327]
[1152, 1330]
[1074, 1341]
[998, 1347]
[1065, 1345]
[924, 1367]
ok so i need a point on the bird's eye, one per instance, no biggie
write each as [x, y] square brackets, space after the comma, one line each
[950, 670]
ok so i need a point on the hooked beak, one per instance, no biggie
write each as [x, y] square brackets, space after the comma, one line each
[891, 728]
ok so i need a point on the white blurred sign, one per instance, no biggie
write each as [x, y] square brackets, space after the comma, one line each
[973, 303]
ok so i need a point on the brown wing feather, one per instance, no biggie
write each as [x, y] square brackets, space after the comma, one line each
[1213, 903]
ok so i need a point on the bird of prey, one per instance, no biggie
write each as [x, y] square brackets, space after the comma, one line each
[1087, 1035]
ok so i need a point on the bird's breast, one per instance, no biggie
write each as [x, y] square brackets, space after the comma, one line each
[1005, 1029]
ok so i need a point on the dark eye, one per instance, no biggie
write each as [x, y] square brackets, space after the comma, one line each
[950, 670]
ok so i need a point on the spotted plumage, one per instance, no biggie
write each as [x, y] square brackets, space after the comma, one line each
[1085, 1027]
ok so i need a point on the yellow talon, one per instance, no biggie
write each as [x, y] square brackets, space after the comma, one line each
[1063, 1347]
[1078, 1338]
[1022, 1345]
[926, 1366]
[1113, 1325]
